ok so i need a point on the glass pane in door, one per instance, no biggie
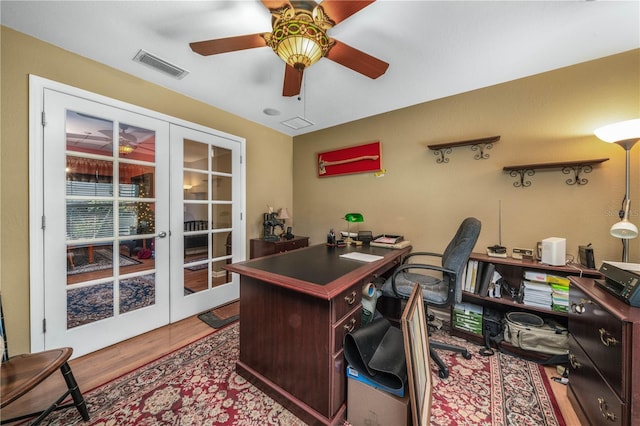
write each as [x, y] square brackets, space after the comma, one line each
[110, 241]
[207, 215]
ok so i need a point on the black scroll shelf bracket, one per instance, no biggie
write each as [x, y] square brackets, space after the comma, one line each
[574, 168]
[479, 145]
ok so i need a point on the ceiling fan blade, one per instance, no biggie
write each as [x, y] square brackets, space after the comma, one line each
[292, 81]
[339, 10]
[357, 60]
[229, 44]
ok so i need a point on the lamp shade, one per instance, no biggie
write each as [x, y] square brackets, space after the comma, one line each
[283, 214]
[354, 217]
[299, 37]
[624, 229]
[621, 131]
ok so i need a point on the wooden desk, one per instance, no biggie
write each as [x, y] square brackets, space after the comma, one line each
[295, 309]
[258, 247]
[604, 374]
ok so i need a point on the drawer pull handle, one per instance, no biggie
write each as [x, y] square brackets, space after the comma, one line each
[348, 327]
[574, 362]
[604, 409]
[577, 308]
[606, 339]
[350, 298]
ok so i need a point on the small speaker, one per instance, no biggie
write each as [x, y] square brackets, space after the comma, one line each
[554, 251]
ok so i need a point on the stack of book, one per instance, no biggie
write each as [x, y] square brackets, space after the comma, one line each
[546, 291]
[559, 293]
[537, 294]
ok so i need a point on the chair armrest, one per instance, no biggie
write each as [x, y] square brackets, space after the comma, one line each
[421, 253]
[404, 267]
[423, 266]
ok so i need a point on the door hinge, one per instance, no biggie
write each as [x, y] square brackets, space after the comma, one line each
[44, 325]
[43, 225]
[241, 159]
[44, 119]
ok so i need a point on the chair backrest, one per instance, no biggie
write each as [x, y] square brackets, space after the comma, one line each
[456, 255]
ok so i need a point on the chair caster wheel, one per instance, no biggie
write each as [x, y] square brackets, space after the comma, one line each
[466, 355]
[443, 374]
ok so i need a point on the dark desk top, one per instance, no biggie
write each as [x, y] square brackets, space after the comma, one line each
[317, 269]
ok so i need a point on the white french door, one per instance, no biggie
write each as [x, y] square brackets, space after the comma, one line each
[106, 222]
[206, 206]
[133, 215]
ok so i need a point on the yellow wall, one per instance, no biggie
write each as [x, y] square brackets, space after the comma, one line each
[268, 182]
[544, 118]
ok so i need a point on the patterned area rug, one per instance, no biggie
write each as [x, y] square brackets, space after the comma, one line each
[103, 259]
[197, 385]
[89, 304]
[494, 390]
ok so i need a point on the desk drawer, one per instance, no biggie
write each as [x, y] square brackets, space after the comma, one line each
[345, 302]
[351, 322]
[600, 403]
[600, 334]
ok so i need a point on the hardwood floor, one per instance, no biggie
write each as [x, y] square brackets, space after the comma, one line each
[99, 367]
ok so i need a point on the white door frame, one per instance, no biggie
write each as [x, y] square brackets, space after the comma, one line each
[37, 85]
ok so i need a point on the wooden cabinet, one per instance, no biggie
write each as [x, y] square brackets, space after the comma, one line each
[604, 377]
[512, 271]
[259, 247]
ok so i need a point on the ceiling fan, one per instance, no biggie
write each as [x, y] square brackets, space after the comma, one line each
[299, 37]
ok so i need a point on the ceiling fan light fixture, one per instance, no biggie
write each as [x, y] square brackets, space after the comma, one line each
[299, 37]
[125, 149]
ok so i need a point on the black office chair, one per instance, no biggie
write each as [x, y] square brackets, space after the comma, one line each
[442, 288]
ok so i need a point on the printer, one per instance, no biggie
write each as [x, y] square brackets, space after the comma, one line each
[622, 280]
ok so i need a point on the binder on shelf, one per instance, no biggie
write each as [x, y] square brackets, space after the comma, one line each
[487, 277]
[473, 277]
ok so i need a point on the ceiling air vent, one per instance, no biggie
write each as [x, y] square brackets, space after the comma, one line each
[160, 64]
[297, 123]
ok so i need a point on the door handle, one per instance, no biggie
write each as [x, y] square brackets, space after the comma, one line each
[163, 234]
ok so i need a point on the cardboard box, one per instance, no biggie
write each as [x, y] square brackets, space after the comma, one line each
[352, 373]
[368, 406]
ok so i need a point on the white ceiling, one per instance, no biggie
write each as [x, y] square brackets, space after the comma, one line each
[435, 49]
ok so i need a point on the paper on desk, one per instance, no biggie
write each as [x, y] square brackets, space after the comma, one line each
[363, 257]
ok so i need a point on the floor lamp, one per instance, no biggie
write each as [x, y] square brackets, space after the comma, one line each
[625, 134]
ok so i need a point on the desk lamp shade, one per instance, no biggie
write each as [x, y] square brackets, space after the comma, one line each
[283, 214]
[625, 229]
[354, 217]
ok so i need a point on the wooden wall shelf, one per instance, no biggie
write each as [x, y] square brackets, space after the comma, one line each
[476, 145]
[567, 167]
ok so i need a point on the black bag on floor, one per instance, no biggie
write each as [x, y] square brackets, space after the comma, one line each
[492, 330]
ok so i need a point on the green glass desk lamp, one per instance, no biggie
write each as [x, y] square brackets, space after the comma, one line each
[352, 218]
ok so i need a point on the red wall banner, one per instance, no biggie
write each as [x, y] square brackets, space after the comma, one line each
[354, 159]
